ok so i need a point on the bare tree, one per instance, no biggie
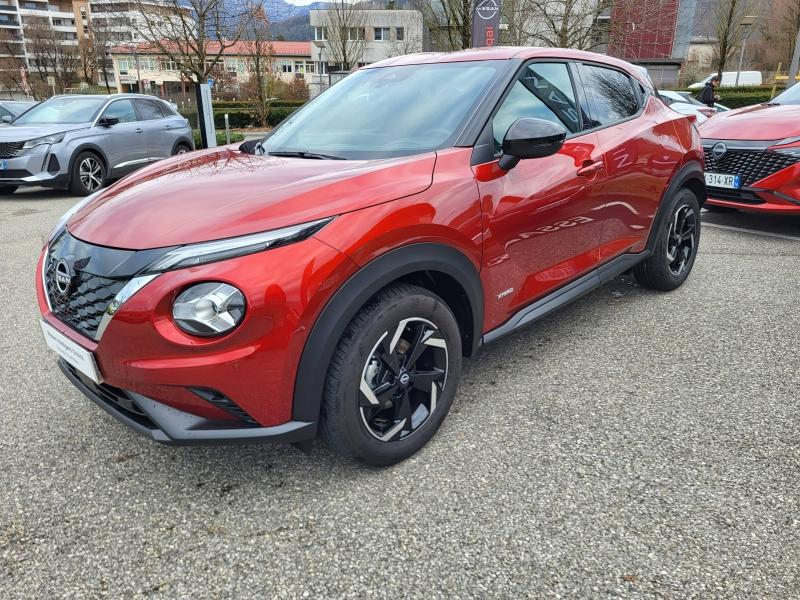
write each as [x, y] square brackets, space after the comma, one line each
[346, 33]
[261, 80]
[779, 33]
[411, 42]
[565, 23]
[449, 22]
[50, 56]
[729, 30]
[194, 34]
[13, 74]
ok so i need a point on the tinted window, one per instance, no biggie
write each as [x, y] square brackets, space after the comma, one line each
[123, 110]
[387, 111]
[149, 110]
[543, 91]
[610, 94]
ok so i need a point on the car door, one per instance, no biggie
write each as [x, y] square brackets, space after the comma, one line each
[540, 225]
[159, 132]
[640, 152]
[123, 143]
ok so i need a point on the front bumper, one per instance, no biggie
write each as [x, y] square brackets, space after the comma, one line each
[171, 426]
[36, 167]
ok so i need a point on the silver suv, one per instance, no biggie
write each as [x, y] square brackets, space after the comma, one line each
[82, 142]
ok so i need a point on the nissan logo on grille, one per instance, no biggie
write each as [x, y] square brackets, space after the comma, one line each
[63, 277]
[719, 150]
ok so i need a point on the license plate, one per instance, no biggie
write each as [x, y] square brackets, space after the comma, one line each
[75, 354]
[724, 181]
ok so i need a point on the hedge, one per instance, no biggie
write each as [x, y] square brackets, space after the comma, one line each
[242, 118]
[742, 96]
[221, 139]
[247, 104]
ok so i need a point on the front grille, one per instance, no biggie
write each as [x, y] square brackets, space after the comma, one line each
[743, 196]
[86, 300]
[750, 165]
[10, 149]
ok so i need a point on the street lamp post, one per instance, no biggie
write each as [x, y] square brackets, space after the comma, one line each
[747, 22]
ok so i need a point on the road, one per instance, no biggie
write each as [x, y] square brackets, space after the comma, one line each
[634, 444]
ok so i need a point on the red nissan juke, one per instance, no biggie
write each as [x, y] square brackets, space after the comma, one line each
[330, 278]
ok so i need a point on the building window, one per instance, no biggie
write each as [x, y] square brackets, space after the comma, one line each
[323, 68]
[309, 66]
[400, 33]
[169, 65]
[299, 66]
[382, 34]
[320, 34]
[356, 34]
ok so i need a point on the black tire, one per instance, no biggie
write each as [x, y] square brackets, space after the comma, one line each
[350, 423]
[88, 174]
[672, 260]
[719, 209]
[7, 190]
[181, 148]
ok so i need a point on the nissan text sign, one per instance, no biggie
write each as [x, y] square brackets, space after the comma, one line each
[486, 23]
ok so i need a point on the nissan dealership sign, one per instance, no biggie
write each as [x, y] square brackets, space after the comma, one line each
[486, 23]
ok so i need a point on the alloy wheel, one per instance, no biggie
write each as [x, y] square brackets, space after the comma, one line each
[402, 379]
[681, 239]
[90, 172]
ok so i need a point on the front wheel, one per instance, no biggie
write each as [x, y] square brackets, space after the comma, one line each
[88, 174]
[676, 245]
[181, 148]
[393, 376]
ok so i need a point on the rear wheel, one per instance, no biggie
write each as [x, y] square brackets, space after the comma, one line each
[7, 190]
[88, 174]
[393, 376]
[676, 245]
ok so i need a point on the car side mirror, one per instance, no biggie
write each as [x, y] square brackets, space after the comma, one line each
[249, 147]
[7, 119]
[530, 138]
[108, 121]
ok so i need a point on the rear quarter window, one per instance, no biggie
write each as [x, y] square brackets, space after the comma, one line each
[610, 95]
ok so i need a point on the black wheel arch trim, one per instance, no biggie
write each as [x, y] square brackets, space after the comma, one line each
[182, 141]
[356, 291]
[690, 176]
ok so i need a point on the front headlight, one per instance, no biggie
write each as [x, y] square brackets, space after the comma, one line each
[48, 139]
[62, 222]
[208, 252]
[209, 309]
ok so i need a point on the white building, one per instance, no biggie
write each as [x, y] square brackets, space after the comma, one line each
[372, 35]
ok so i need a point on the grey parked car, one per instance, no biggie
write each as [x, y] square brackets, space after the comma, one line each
[82, 142]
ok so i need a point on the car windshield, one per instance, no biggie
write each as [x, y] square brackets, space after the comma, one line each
[790, 96]
[386, 111]
[689, 99]
[62, 110]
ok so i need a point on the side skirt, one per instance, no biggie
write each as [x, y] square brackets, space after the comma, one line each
[566, 294]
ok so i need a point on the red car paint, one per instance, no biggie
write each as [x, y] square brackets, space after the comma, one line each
[767, 128]
[527, 232]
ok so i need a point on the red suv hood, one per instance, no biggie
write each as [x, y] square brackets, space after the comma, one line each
[223, 193]
[761, 122]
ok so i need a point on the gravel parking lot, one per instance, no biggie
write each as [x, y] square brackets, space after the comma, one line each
[634, 444]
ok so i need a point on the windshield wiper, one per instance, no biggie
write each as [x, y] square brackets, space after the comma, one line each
[300, 154]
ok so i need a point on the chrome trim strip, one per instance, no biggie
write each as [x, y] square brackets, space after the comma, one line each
[133, 286]
[44, 282]
[741, 144]
[131, 162]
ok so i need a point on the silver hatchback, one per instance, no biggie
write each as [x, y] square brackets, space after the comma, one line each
[82, 142]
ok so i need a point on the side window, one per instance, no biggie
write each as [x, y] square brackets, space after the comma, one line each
[610, 94]
[149, 110]
[4, 112]
[123, 110]
[542, 91]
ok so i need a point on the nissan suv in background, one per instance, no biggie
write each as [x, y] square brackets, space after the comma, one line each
[752, 156]
[81, 142]
[331, 277]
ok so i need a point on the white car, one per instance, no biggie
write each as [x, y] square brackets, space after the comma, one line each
[729, 79]
[686, 105]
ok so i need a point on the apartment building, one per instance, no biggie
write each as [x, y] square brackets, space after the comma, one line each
[141, 66]
[371, 36]
[71, 20]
